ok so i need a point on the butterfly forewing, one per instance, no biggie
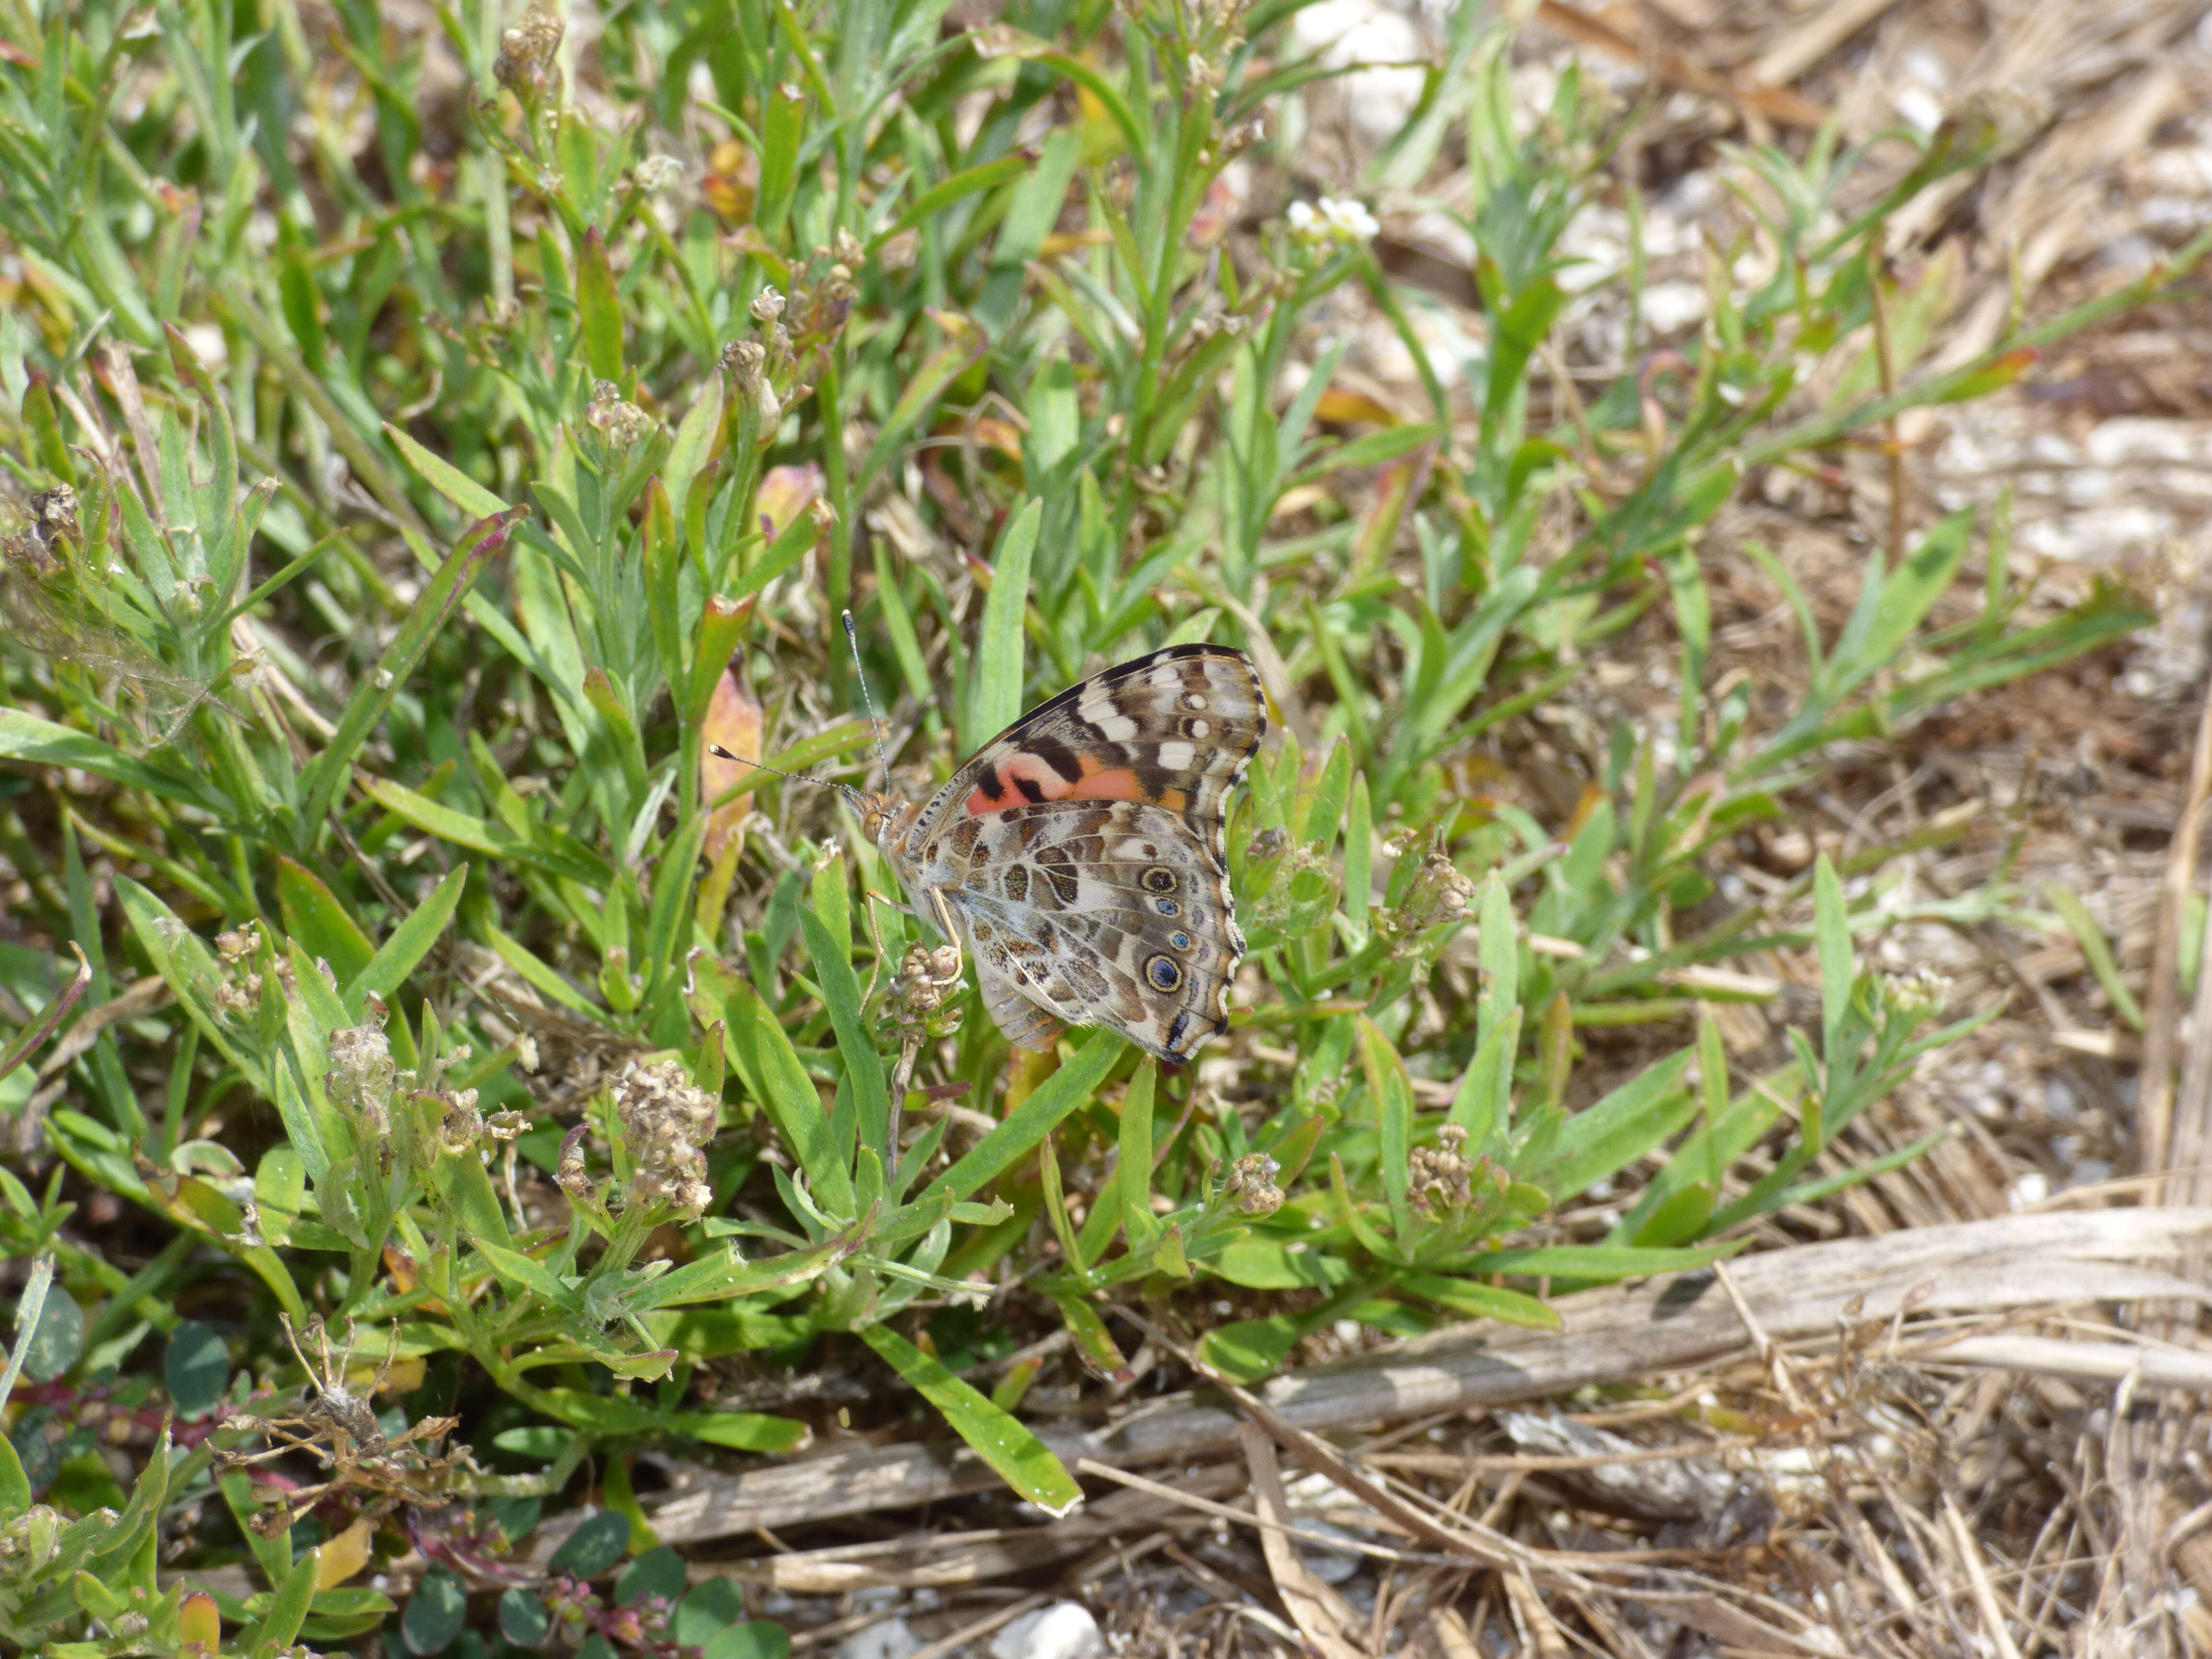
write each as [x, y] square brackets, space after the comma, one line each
[1081, 852]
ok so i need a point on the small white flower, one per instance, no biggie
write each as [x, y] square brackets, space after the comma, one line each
[659, 173]
[1351, 220]
[1329, 220]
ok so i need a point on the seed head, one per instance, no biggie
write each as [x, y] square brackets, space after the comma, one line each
[524, 62]
[1252, 1185]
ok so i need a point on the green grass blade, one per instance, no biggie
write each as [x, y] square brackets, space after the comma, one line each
[998, 677]
[372, 696]
[410, 941]
[1020, 1458]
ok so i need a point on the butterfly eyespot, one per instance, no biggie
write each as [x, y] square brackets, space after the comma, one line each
[1164, 973]
[1195, 728]
[1193, 700]
[1167, 906]
[1181, 941]
[1159, 880]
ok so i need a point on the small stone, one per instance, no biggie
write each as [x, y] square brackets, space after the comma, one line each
[889, 1638]
[1065, 1629]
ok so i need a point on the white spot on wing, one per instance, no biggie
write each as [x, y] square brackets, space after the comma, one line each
[1177, 757]
[1200, 728]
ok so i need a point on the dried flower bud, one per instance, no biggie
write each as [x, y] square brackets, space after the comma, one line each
[524, 62]
[1252, 1185]
[1921, 994]
[767, 306]
[53, 513]
[458, 1129]
[362, 1075]
[747, 361]
[1439, 892]
[1439, 1174]
[926, 979]
[623, 424]
[570, 1174]
[667, 1119]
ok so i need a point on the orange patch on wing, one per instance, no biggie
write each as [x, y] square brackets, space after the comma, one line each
[1119, 784]
[1023, 780]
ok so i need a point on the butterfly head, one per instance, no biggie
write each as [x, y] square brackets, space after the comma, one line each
[881, 816]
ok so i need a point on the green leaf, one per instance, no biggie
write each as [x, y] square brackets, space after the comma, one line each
[1267, 1264]
[373, 695]
[59, 1339]
[197, 1368]
[755, 1043]
[1094, 1343]
[593, 1547]
[942, 194]
[518, 1270]
[694, 442]
[1595, 1261]
[658, 1571]
[1833, 933]
[435, 1613]
[1605, 1137]
[755, 1639]
[524, 1619]
[998, 672]
[856, 1044]
[26, 737]
[599, 309]
[1477, 1301]
[711, 1608]
[745, 1432]
[448, 480]
[314, 917]
[543, 848]
[1394, 1103]
[1250, 1350]
[1020, 1458]
[1134, 1168]
[1069, 1087]
[398, 956]
[15, 1485]
[279, 1626]
[2095, 948]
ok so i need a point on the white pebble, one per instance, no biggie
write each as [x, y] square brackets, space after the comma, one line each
[1065, 1629]
[892, 1638]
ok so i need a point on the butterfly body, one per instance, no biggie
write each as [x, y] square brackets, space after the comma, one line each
[1080, 853]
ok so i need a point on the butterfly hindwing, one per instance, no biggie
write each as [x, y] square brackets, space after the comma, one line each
[1081, 853]
[1113, 912]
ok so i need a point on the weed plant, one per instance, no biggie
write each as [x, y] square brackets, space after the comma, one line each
[425, 450]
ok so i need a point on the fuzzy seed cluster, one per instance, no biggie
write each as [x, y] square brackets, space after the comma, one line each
[667, 1119]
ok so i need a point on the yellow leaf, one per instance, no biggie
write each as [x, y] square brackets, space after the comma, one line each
[1340, 408]
[343, 1556]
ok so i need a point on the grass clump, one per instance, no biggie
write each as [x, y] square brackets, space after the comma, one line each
[426, 452]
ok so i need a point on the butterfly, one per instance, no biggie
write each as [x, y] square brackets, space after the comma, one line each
[1081, 853]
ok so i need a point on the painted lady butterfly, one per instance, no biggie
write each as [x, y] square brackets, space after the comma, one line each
[1081, 853]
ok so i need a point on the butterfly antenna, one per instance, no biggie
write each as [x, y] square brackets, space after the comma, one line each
[720, 753]
[875, 720]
